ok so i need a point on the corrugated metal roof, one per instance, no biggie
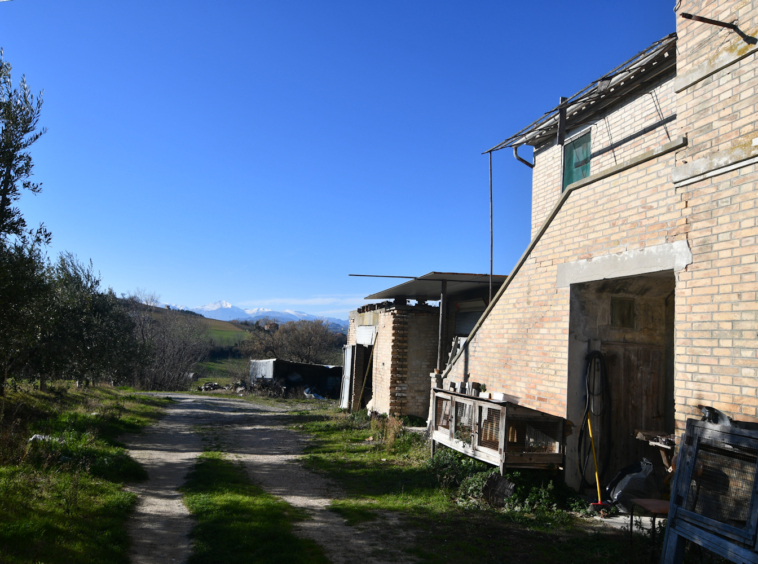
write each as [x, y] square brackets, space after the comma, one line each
[428, 286]
[600, 94]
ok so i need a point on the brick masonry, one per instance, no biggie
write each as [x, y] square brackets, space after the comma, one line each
[522, 346]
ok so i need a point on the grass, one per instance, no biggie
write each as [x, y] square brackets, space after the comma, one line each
[61, 499]
[223, 371]
[224, 337]
[384, 468]
[238, 522]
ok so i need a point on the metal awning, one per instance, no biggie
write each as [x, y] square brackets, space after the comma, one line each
[605, 91]
[427, 287]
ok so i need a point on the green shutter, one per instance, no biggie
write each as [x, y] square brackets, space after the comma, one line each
[576, 160]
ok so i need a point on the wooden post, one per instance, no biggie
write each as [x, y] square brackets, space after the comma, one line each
[443, 307]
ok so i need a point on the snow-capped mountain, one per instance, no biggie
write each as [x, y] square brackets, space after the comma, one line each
[225, 311]
[222, 310]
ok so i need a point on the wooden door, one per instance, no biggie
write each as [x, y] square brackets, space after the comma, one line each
[637, 385]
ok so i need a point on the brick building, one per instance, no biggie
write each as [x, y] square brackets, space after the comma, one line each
[406, 340]
[643, 243]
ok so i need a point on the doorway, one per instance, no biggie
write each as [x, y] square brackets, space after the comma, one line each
[630, 321]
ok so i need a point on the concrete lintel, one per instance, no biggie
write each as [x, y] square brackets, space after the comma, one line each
[722, 60]
[743, 150]
[669, 256]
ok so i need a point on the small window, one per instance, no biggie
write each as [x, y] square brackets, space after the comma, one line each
[622, 312]
[576, 160]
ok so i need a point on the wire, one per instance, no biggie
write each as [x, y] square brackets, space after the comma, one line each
[595, 390]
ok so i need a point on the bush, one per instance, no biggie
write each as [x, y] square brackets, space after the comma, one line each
[451, 468]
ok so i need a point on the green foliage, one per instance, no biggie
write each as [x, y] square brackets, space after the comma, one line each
[61, 499]
[451, 467]
[19, 116]
[61, 516]
[473, 486]
[239, 522]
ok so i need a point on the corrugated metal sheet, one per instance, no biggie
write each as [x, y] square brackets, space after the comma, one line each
[429, 286]
[365, 335]
[262, 369]
[347, 377]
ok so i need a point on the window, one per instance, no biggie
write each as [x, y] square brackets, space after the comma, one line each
[622, 312]
[576, 160]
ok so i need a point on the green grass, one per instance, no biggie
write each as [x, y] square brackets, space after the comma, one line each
[61, 500]
[223, 371]
[238, 522]
[223, 337]
[393, 473]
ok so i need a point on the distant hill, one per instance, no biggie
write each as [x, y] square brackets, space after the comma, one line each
[225, 311]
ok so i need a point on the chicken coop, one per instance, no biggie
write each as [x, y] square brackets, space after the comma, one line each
[501, 433]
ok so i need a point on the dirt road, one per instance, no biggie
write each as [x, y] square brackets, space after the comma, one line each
[256, 435]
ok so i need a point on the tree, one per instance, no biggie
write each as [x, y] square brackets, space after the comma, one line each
[19, 116]
[24, 294]
[170, 343]
[296, 341]
[23, 284]
[88, 333]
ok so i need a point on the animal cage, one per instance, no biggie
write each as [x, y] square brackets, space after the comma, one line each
[713, 499]
[498, 432]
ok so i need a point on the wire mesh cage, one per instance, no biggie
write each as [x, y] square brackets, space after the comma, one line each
[722, 482]
[713, 498]
[499, 432]
[489, 427]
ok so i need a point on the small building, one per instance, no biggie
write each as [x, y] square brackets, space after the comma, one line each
[393, 346]
[321, 378]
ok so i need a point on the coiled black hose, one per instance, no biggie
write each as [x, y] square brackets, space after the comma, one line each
[595, 386]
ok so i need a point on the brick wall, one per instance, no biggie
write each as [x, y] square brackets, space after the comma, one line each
[658, 102]
[423, 331]
[522, 346]
[716, 308]
[720, 110]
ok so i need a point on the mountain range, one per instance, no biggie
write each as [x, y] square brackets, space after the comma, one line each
[225, 311]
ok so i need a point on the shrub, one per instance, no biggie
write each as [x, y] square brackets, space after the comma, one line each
[451, 467]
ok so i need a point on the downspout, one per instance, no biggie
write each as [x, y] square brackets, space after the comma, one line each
[519, 159]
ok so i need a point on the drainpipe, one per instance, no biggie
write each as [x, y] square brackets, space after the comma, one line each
[519, 159]
[443, 307]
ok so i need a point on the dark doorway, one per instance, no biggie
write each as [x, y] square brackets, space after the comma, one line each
[630, 321]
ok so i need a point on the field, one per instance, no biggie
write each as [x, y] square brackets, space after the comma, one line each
[223, 371]
[223, 333]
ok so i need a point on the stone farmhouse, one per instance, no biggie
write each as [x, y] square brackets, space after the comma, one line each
[643, 244]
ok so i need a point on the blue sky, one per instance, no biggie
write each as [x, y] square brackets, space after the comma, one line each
[259, 152]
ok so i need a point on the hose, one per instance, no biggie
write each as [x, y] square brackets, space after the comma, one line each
[595, 387]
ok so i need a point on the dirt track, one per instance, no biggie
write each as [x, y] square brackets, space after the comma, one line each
[256, 435]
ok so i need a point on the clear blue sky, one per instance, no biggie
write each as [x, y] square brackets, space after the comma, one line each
[259, 152]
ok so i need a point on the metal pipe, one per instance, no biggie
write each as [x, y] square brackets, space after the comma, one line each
[492, 240]
[518, 158]
[562, 120]
[701, 19]
[443, 307]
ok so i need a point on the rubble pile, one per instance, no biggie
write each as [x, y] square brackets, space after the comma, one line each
[209, 387]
